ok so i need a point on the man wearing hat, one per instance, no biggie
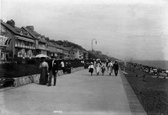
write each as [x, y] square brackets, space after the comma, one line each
[116, 68]
[53, 69]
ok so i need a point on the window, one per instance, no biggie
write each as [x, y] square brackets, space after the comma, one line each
[16, 43]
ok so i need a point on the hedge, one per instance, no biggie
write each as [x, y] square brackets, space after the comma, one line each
[27, 67]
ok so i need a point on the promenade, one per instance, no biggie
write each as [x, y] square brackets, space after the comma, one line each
[77, 93]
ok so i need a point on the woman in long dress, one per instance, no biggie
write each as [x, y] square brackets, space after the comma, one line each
[110, 67]
[98, 68]
[44, 72]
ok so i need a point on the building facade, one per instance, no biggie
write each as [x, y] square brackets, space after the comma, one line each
[66, 53]
[41, 45]
[77, 53]
[60, 51]
[52, 49]
[20, 44]
[25, 42]
[85, 55]
[3, 43]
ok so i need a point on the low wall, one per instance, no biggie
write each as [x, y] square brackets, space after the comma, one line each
[35, 78]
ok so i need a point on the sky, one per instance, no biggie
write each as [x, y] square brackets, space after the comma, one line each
[125, 29]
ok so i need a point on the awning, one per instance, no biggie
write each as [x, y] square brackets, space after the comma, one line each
[24, 39]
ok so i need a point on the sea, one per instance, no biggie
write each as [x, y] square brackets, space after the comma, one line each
[153, 63]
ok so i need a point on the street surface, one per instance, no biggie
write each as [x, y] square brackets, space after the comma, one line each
[76, 93]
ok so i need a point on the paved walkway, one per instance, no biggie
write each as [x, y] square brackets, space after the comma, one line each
[77, 93]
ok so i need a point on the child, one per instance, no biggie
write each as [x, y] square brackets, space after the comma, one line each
[103, 69]
[91, 68]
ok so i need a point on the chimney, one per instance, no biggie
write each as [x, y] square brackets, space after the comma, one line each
[11, 22]
[30, 28]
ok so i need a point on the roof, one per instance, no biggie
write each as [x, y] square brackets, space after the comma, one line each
[50, 44]
[84, 51]
[30, 32]
[77, 49]
[15, 30]
[9, 27]
[35, 35]
[57, 46]
[69, 48]
[64, 48]
[42, 40]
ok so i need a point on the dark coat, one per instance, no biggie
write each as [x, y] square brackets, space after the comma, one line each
[49, 65]
[116, 66]
[53, 66]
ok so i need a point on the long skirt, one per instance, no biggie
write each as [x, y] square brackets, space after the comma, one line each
[97, 69]
[110, 70]
[43, 76]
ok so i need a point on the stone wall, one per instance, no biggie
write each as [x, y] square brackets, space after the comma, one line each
[35, 78]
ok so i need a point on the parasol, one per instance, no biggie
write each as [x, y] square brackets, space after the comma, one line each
[41, 55]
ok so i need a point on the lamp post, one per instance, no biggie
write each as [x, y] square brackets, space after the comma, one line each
[92, 43]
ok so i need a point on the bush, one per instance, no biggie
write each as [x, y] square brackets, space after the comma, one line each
[15, 69]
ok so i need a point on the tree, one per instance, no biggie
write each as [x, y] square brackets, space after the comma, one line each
[66, 43]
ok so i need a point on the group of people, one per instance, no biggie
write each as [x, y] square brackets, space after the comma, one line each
[49, 70]
[98, 66]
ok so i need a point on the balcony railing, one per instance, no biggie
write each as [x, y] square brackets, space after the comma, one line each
[24, 46]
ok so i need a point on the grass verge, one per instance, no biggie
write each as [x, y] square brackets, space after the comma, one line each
[151, 92]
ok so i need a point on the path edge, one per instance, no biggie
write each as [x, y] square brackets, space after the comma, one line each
[25, 80]
[135, 105]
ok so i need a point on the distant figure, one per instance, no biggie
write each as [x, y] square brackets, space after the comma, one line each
[107, 62]
[91, 68]
[68, 67]
[44, 72]
[103, 69]
[110, 67]
[116, 68]
[98, 68]
[63, 66]
[94, 64]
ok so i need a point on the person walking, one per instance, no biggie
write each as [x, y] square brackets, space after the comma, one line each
[53, 71]
[68, 68]
[107, 62]
[110, 67]
[44, 72]
[116, 68]
[98, 68]
[103, 69]
[63, 66]
[91, 68]
[94, 64]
